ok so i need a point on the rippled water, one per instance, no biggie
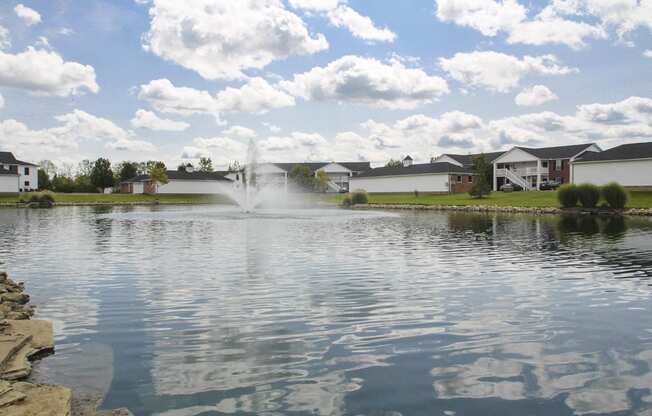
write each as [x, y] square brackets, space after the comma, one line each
[204, 311]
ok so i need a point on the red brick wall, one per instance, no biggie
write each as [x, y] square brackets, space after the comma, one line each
[563, 174]
[149, 187]
[126, 188]
[458, 187]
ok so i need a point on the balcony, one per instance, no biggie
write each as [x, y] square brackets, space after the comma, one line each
[523, 172]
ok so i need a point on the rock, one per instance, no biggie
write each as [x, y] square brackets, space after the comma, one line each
[8, 395]
[40, 400]
[20, 298]
[24, 339]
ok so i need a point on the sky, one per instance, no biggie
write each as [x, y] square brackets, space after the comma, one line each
[319, 80]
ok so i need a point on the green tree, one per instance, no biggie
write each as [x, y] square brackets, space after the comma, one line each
[49, 167]
[321, 181]
[300, 175]
[63, 183]
[393, 163]
[481, 182]
[184, 167]
[205, 164]
[44, 180]
[101, 174]
[127, 170]
[83, 184]
[85, 168]
[234, 166]
[158, 175]
[151, 164]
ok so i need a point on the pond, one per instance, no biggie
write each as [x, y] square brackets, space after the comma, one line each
[202, 310]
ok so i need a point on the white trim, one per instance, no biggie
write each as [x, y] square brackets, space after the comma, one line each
[415, 174]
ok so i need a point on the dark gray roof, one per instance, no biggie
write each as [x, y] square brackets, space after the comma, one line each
[557, 152]
[622, 152]
[420, 169]
[7, 172]
[314, 166]
[467, 160]
[178, 175]
[9, 159]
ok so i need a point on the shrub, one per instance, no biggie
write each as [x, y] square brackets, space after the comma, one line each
[589, 195]
[416, 193]
[42, 197]
[346, 201]
[359, 197]
[615, 195]
[568, 196]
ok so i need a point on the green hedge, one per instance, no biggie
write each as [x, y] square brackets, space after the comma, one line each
[589, 195]
[359, 197]
[615, 195]
[568, 196]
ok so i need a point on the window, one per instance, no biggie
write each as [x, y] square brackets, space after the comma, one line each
[470, 179]
[500, 166]
[26, 183]
[558, 164]
[459, 179]
[544, 164]
[26, 171]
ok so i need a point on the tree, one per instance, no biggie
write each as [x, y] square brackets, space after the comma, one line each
[481, 182]
[300, 174]
[157, 175]
[205, 164]
[127, 170]
[234, 166]
[49, 167]
[151, 164]
[321, 181]
[44, 180]
[85, 168]
[184, 167]
[394, 164]
[63, 183]
[101, 174]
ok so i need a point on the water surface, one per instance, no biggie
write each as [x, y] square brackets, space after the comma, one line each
[181, 311]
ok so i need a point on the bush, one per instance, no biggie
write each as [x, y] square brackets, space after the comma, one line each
[615, 195]
[568, 196]
[359, 197]
[42, 197]
[346, 201]
[416, 193]
[589, 195]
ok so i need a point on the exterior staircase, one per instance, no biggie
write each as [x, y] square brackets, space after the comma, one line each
[514, 178]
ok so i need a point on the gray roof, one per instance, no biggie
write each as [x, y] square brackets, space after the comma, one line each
[623, 152]
[177, 175]
[467, 160]
[7, 172]
[557, 152]
[420, 169]
[9, 159]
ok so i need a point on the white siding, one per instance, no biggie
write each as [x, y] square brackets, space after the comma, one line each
[8, 184]
[516, 155]
[193, 187]
[139, 188]
[436, 182]
[446, 158]
[627, 173]
[32, 177]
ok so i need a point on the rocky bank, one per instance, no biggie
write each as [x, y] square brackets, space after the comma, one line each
[23, 340]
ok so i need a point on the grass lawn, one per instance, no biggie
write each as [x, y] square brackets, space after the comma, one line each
[512, 199]
[127, 198]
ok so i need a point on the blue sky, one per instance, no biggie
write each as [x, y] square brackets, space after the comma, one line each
[319, 79]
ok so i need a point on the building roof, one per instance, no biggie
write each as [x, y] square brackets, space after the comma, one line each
[177, 175]
[314, 166]
[420, 169]
[7, 172]
[9, 159]
[467, 160]
[623, 152]
[408, 157]
[557, 152]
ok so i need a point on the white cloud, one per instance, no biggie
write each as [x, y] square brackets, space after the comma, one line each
[497, 71]
[240, 132]
[167, 98]
[45, 72]
[273, 128]
[5, 39]
[315, 5]
[551, 25]
[487, 16]
[29, 16]
[648, 53]
[256, 96]
[149, 120]
[2, 102]
[633, 110]
[219, 39]
[73, 128]
[221, 150]
[360, 26]
[535, 95]
[368, 81]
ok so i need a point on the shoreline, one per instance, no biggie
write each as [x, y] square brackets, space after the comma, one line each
[639, 212]
[23, 341]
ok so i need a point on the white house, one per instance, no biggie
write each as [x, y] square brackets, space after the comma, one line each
[8, 182]
[339, 173]
[466, 160]
[180, 182]
[27, 174]
[628, 164]
[529, 167]
[439, 177]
